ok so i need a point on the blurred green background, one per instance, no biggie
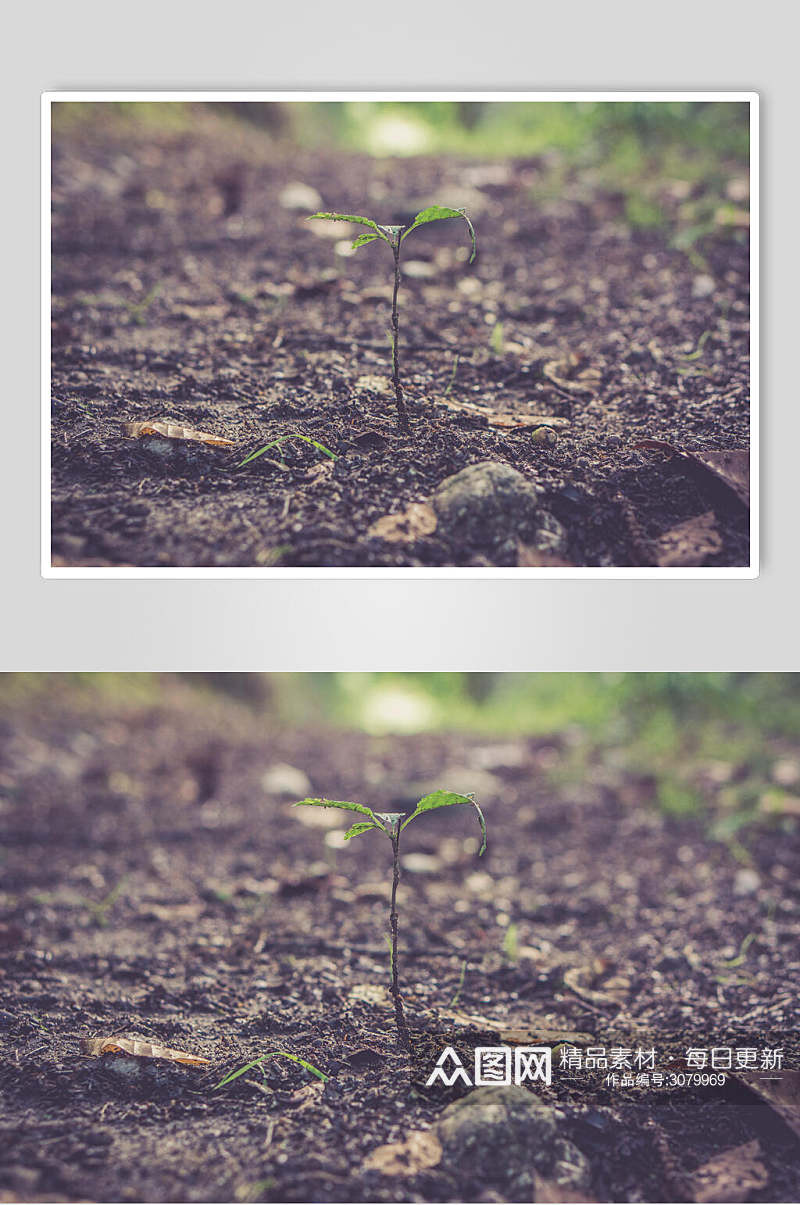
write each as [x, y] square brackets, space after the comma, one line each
[682, 166]
[725, 746]
[588, 131]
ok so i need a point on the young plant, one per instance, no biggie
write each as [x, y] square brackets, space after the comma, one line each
[394, 236]
[392, 824]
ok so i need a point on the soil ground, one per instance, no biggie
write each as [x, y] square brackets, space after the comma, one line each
[157, 885]
[184, 290]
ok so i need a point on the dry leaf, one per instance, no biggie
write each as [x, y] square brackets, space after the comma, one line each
[171, 431]
[370, 993]
[319, 474]
[373, 383]
[780, 1091]
[502, 418]
[596, 985]
[731, 1175]
[534, 1032]
[690, 543]
[731, 468]
[420, 1150]
[584, 384]
[528, 556]
[140, 1049]
[550, 1190]
[544, 1035]
[307, 1097]
[419, 520]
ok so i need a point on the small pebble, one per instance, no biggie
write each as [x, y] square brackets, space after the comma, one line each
[746, 881]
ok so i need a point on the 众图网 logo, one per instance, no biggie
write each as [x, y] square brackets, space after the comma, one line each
[499, 1065]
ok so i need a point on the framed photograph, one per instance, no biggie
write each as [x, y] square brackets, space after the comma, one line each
[400, 335]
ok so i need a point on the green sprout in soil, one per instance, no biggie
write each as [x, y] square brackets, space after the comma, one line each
[393, 823]
[282, 439]
[315, 1071]
[394, 236]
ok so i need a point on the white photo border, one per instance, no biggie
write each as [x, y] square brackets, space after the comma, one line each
[410, 573]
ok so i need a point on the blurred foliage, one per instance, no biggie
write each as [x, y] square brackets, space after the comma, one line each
[627, 134]
[681, 166]
[704, 744]
[588, 131]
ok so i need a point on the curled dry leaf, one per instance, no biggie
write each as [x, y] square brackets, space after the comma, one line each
[505, 419]
[530, 557]
[420, 1150]
[598, 984]
[731, 1175]
[781, 1092]
[583, 384]
[171, 431]
[553, 1192]
[369, 993]
[690, 543]
[140, 1049]
[371, 383]
[535, 1031]
[731, 468]
[307, 1097]
[419, 520]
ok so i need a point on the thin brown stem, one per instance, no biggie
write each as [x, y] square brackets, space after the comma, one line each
[400, 1018]
[402, 413]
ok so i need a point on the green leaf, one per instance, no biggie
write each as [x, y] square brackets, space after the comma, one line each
[273, 1054]
[338, 803]
[435, 213]
[363, 826]
[349, 217]
[363, 239]
[445, 799]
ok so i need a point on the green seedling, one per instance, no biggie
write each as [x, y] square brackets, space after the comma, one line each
[138, 309]
[460, 987]
[392, 824]
[394, 236]
[282, 439]
[259, 1061]
[452, 380]
[496, 340]
[99, 910]
[511, 944]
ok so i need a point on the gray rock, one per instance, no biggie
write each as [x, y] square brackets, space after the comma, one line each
[501, 1137]
[485, 504]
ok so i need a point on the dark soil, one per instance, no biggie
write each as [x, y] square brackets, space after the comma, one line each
[154, 888]
[185, 291]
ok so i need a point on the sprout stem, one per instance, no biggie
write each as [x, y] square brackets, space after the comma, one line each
[400, 1018]
[402, 413]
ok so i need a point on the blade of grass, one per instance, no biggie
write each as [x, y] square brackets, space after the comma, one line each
[460, 987]
[452, 376]
[273, 1054]
[282, 439]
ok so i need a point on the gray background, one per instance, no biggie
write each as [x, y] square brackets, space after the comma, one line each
[363, 624]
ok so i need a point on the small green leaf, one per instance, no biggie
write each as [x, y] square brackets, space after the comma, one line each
[363, 239]
[435, 213]
[363, 826]
[349, 217]
[338, 803]
[444, 799]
